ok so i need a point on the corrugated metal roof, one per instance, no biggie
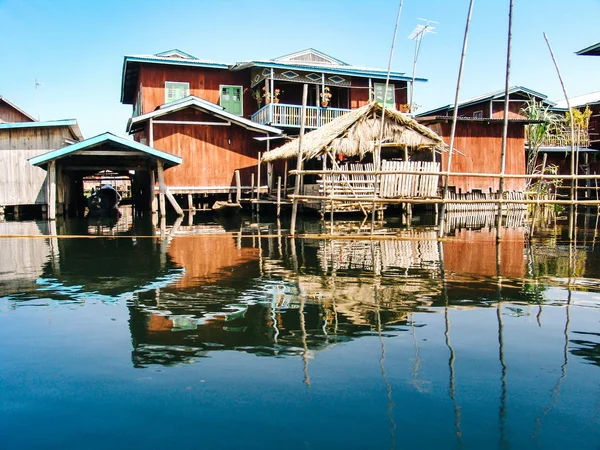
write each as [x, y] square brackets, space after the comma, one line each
[71, 123]
[100, 140]
[592, 50]
[580, 100]
[430, 119]
[204, 105]
[489, 96]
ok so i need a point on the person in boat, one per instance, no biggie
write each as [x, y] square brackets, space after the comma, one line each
[104, 201]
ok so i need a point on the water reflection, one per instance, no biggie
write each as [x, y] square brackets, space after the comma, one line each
[462, 325]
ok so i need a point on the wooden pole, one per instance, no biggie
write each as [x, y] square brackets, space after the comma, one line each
[454, 117]
[258, 179]
[51, 194]
[505, 122]
[285, 177]
[238, 187]
[278, 196]
[252, 185]
[571, 219]
[161, 188]
[299, 160]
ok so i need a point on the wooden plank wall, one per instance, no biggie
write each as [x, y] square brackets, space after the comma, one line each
[20, 182]
[204, 84]
[10, 114]
[481, 146]
[210, 153]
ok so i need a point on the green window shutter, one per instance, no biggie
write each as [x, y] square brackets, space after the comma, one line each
[175, 91]
[231, 99]
[390, 101]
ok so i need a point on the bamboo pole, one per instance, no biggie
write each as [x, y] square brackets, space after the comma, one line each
[571, 218]
[258, 180]
[505, 122]
[299, 160]
[442, 217]
[238, 187]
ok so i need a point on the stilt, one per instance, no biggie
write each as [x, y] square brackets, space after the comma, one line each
[278, 196]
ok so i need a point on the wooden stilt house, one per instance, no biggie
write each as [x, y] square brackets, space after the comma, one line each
[350, 143]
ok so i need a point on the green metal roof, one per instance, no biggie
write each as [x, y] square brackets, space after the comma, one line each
[101, 140]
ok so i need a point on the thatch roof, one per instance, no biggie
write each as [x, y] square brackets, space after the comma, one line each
[356, 132]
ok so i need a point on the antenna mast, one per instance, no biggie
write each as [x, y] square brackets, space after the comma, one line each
[37, 89]
[417, 35]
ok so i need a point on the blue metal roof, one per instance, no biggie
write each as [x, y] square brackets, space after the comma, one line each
[487, 97]
[101, 140]
[49, 123]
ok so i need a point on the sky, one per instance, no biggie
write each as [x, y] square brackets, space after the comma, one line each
[75, 48]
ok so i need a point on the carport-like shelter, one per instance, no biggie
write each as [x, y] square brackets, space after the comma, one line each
[66, 167]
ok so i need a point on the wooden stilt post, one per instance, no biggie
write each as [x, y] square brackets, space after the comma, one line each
[571, 218]
[161, 188]
[278, 196]
[504, 123]
[442, 217]
[190, 202]
[252, 186]
[51, 193]
[258, 179]
[299, 160]
[238, 187]
[285, 178]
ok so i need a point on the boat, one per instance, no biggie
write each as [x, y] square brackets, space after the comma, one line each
[223, 207]
[104, 202]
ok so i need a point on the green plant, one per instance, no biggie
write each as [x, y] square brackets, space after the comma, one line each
[537, 133]
[256, 95]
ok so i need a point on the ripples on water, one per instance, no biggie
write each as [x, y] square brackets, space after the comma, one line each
[236, 337]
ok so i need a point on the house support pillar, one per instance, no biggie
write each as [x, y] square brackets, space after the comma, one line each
[163, 191]
[51, 190]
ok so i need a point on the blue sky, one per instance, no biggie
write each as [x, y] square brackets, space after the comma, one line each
[76, 48]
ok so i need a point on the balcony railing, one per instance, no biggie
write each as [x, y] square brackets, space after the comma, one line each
[561, 137]
[282, 115]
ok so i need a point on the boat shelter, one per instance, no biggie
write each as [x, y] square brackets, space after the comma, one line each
[67, 166]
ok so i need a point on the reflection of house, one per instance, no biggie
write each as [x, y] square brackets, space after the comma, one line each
[212, 113]
[21, 138]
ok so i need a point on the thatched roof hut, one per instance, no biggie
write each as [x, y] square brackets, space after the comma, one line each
[355, 133]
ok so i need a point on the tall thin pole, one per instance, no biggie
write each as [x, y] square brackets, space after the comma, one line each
[505, 123]
[299, 160]
[377, 155]
[454, 117]
[571, 224]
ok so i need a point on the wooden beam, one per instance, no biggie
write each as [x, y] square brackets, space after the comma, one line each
[110, 153]
[190, 122]
[238, 185]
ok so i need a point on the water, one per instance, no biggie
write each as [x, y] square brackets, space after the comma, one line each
[226, 335]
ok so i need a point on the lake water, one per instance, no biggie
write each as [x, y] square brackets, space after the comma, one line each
[231, 335]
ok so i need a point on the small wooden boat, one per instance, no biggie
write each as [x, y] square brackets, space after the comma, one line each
[104, 202]
[226, 207]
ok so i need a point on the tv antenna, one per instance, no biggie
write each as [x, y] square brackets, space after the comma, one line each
[417, 35]
[37, 89]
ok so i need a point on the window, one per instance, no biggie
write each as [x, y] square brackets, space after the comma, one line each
[231, 99]
[175, 90]
[478, 114]
[390, 98]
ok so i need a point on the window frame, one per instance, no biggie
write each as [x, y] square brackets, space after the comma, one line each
[478, 114]
[221, 86]
[187, 87]
[391, 87]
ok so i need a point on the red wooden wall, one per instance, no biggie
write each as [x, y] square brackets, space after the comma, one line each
[210, 153]
[480, 147]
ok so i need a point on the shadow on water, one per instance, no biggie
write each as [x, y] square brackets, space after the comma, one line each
[200, 286]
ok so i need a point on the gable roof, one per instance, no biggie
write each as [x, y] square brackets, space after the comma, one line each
[496, 95]
[175, 57]
[16, 108]
[210, 108]
[310, 55]
[104, 139]
[311, 59]
[592, 50]
[71, 123]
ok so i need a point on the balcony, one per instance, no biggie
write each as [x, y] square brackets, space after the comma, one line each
[288, 116]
